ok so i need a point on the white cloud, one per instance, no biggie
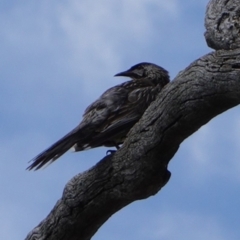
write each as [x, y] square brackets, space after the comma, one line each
[86, 39]
[97, 32]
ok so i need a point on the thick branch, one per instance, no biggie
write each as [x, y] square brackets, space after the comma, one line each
[222, 23]
[208, 87]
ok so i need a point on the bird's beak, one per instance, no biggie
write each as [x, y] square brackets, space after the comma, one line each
[125, 74]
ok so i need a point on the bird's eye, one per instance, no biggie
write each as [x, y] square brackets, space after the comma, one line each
[142, 71]
[144, 74]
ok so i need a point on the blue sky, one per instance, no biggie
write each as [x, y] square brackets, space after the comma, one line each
[59, 56]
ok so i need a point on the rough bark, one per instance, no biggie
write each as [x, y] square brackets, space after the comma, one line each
[222, 24]
[208, 87]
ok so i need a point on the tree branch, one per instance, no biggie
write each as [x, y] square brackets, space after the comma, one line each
[222, 23]
[208, 87]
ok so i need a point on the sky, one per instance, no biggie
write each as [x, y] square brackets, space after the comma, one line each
[59, 56]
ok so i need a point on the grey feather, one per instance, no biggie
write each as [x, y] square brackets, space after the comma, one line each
[107, 121]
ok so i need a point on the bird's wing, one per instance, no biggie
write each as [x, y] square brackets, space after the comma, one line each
[114, 133]
[121, 119]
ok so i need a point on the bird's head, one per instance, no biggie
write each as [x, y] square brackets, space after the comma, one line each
[146, 70]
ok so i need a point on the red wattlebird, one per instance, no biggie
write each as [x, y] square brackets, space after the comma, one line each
[107, 121]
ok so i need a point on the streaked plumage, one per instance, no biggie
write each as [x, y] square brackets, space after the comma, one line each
[107, 121]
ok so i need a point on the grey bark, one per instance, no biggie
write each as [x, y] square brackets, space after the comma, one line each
[222, 24]
[208, 87]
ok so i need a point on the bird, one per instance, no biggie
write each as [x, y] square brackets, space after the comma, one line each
[107, 121]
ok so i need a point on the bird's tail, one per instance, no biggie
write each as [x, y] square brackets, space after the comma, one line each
[54, 152]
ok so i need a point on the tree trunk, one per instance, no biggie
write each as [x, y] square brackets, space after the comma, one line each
[208, 87]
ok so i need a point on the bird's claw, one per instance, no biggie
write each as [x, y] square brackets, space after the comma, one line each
[110, 152]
